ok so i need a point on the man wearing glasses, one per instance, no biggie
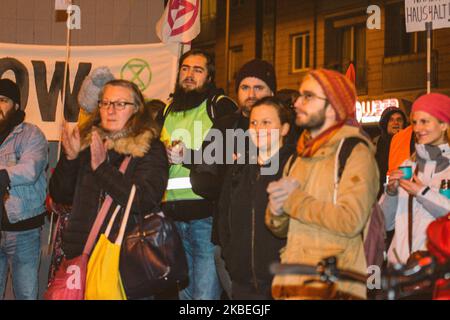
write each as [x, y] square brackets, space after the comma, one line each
[23, 184]
[321, 215]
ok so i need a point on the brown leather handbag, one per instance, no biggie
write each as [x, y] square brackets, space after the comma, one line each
[152, 257]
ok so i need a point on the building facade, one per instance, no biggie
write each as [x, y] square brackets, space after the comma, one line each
[390, 64]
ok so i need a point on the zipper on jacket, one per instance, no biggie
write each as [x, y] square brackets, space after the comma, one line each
[229, 213]
[255, 281]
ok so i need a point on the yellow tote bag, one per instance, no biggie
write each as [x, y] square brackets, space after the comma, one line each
[103, 280]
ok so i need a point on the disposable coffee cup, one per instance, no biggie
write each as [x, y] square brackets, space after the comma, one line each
[407, 172]
[445, 192]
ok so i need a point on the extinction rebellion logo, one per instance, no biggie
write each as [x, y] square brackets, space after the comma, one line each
[182, 8]
[137, 71]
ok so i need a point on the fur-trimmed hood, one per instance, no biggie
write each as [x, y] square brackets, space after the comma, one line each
[127, 144]
[134, 140]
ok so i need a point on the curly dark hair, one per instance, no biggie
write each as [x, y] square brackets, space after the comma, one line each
[210, 64]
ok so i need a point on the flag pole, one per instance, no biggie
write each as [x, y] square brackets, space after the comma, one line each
[429, 26]
[227, 47]
[63, 93]
[66, 67]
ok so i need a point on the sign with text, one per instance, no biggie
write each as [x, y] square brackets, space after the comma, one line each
[418, 12]
[62, 4]
[370, 111]
[39, 72]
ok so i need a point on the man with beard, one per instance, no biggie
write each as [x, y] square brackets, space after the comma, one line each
[255, 80]
[196, 105]
[320, 215]
[23, 160]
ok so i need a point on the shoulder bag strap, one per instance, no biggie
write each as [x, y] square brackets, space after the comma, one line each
[101, 215]
[124, 222]
[410, 222]
[410, 218]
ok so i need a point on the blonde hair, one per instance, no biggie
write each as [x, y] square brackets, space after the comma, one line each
[448, 135]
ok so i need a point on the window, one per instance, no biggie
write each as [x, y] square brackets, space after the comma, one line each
[237, 3]
[268, 30]
[300, 52]
[207, 36]
[397, 41]
[345, 43]
[208, 10]
[235, 62]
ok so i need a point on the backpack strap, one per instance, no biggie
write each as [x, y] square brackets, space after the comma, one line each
[211, 105]
[167, 109]
[290, 163]
[344, 151]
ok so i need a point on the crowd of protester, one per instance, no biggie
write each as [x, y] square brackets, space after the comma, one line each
[272, 190]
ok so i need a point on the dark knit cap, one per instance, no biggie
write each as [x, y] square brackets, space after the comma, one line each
[260, 69]
[9, 89]
[387, 113]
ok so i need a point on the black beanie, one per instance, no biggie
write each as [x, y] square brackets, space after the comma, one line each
[10, 89]
[260, 69]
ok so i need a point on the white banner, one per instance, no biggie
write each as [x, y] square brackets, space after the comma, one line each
[418, 12]
[39, 71]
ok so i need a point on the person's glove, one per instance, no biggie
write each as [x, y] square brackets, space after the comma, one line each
[175, 154]
[279, 191]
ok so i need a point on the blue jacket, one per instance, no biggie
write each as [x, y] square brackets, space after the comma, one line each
[24, 155]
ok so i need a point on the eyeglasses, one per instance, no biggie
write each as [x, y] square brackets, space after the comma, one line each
[307, 97]
[117, 105]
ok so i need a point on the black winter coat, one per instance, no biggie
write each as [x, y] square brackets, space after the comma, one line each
[207, 179]
[248, 246]
[74, 182]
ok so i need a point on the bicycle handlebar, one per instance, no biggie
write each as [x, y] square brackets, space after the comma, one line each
[326, 269]
[303, 269]
[396, 278]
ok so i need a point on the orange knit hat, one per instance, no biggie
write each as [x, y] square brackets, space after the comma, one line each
[340, 92]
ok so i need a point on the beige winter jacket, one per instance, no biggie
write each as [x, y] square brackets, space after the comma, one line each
[316, 228]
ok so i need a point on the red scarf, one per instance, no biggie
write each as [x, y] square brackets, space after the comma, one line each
[308, 146]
